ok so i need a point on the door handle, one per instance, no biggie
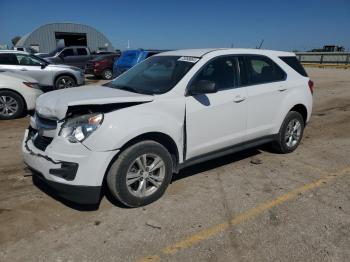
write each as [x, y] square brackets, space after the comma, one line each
[282, 89]
[24, 69]
[238, 99]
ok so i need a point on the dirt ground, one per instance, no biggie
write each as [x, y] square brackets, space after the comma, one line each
[250, 206]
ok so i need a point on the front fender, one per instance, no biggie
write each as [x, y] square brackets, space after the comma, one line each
[121, 126]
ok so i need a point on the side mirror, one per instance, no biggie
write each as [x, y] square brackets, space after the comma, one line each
[61, 55]
[43, 65]
[203, 87]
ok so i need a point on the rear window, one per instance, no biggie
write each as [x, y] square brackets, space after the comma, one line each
[68, 52]
[293, 62]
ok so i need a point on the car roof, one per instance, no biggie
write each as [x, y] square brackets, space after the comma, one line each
[144, 50]
[203, 52]
[13, 52]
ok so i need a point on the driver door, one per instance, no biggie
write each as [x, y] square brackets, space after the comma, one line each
[218, 120]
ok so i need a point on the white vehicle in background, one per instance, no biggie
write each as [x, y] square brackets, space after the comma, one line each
[17, 94]
[49, 76]
[172, 110]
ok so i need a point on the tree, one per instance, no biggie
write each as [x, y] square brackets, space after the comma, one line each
[15, 40]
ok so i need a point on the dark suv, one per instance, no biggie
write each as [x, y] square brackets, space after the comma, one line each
[102, 66]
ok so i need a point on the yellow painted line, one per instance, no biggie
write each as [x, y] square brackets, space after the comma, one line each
[245, 216]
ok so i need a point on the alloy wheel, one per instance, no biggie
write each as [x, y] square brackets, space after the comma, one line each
[65, 83]
[145, 175]
[108, 74]
[8, 106]
[293, 133]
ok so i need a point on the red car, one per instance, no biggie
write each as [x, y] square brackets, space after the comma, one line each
[102, 66]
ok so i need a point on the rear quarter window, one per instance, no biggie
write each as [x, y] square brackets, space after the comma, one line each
[8, 59]
[294, 63]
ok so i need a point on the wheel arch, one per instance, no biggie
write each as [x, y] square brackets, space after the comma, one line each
[64, 74]
[301, 109]
[163, 139]
[18, 93]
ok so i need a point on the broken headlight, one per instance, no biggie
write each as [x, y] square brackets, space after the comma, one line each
[77, 129]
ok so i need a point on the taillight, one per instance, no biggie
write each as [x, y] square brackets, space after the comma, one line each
[311, 86]
[100, 62]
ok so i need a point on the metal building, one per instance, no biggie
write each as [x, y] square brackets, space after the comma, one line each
[48, 37]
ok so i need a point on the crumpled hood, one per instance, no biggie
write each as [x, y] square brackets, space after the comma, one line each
[55, 104]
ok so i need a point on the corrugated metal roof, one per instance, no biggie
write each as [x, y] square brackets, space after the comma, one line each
[44, 36]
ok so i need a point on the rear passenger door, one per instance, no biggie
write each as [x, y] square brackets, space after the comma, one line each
[68, 57]
[266, 88]
[82, 57]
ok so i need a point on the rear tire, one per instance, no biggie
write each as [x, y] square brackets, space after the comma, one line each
[107, 74]
[12, 105]
[290, 134]
[140, 174]
[64, 82]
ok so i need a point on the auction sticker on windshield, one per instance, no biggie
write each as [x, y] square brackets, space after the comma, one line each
[190, 59]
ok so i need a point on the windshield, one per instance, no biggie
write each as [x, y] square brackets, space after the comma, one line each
[156, 75]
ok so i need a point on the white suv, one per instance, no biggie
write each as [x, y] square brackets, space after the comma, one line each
[48, 75]
[174, 109]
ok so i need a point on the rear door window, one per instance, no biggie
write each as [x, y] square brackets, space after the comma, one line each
[261, 69]
[82, 51]
[68, 52]
[294, 63]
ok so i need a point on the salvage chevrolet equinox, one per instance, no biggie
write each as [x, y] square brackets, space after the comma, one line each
[172, 110]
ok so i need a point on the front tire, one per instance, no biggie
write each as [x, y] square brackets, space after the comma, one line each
[140, 174]
[65, 81]
[290, 134]
[12, 105]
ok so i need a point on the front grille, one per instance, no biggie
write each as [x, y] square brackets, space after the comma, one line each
[45, 123]
[44, 127]
[42, 142]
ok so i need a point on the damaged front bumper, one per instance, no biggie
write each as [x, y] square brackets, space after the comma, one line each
[73, 171]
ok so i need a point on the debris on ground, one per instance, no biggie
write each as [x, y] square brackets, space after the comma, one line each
[153, 224]
[255, 161]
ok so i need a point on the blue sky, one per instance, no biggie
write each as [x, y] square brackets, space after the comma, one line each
[284, 25]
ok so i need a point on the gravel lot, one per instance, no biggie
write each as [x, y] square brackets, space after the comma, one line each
[250, 206]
